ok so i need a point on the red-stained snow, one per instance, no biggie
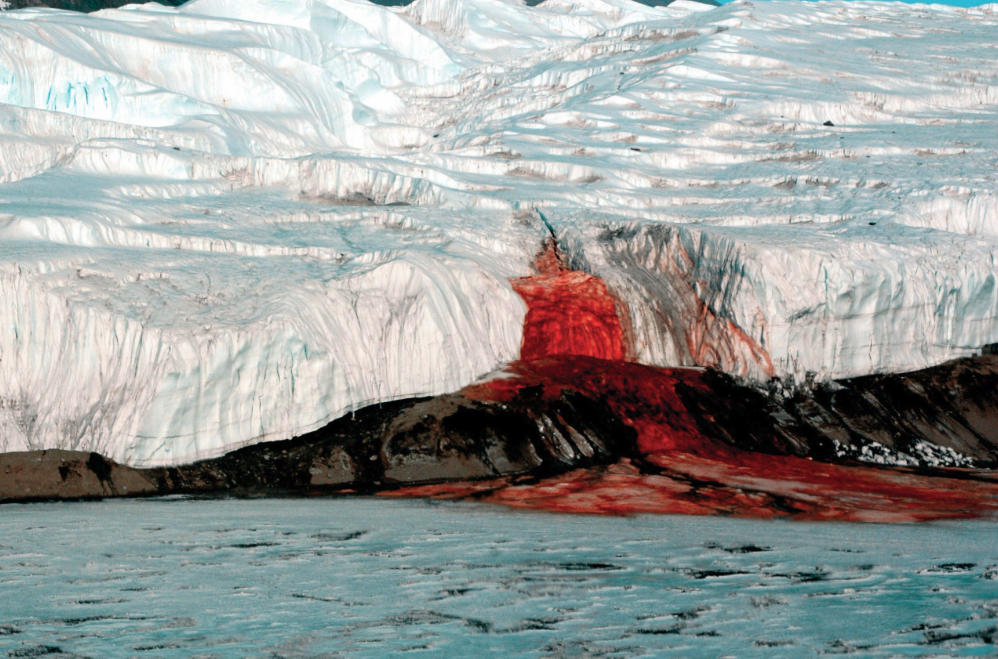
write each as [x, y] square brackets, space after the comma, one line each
[573, 339]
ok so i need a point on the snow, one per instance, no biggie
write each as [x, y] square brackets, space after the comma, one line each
[921, 454]
[231, 222]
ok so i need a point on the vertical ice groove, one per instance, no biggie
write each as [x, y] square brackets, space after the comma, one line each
[415, 327]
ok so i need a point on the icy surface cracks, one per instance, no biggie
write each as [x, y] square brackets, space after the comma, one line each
[238, 220]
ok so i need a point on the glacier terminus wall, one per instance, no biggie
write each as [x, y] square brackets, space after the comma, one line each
[237, 220]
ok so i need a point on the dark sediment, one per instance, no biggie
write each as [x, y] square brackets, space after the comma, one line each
[400, 443]
[528, 431]
[954, 405]
[45, 475]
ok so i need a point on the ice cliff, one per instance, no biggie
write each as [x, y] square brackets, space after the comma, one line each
[237, 220]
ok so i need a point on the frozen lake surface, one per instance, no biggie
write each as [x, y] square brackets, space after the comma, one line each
[358, 577]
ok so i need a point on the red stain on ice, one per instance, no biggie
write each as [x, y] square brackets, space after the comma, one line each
[712, 340]
[568, 313]
[704, 341]
[573, 340]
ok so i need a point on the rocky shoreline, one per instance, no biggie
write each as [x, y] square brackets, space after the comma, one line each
[414, 441]
[550, 417]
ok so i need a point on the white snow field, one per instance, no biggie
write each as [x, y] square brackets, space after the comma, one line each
[238, 220]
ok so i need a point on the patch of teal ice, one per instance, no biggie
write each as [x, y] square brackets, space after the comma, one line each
[378, 578]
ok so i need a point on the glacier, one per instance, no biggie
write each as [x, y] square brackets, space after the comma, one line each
[235, 221]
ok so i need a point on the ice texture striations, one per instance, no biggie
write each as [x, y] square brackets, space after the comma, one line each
[235, 221]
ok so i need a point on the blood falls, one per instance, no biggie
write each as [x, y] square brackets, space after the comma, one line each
[235, 222]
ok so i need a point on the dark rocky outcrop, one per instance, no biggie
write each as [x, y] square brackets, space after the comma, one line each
[952, 406]
[39, 475]
[938, 417]
[401, 443]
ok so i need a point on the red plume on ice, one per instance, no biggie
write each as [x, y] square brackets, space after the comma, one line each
[573, 338]
[568, 313]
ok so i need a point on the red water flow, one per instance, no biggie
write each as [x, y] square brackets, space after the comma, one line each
[573, 339]
[568, 313]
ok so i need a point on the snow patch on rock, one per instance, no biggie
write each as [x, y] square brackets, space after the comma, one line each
[921, 454]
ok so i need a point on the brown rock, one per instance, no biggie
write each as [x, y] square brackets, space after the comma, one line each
[334, 469]
[40, 475]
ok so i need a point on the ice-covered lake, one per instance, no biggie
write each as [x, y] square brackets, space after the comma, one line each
[358, 577]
